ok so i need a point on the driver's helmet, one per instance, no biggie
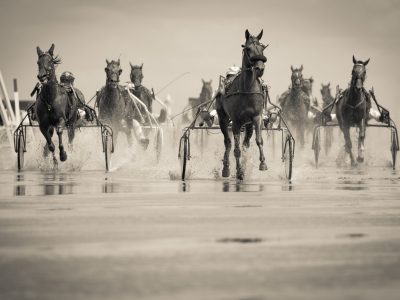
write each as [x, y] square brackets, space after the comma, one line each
[233, 70]
[67, 77]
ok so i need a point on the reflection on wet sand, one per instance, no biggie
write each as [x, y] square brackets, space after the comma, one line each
[352, 185]
[58, 184]
[19, 187]
[108, 186]
[51, 184]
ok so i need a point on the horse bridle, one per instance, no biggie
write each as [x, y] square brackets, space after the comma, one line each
[48, 70]
[258, 56]
[112, 81]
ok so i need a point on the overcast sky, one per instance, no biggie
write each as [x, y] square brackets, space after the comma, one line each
[203, 38]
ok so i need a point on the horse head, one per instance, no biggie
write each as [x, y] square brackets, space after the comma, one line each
[359, 73]
[113, 71]
[297, 77]
[206, 90]
[136, 75]
[253, 52]
[325, 90]
[46, 64]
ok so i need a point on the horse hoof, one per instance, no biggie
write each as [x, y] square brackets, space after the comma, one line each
[240, 175]
[353, 164]
[360, 159]
[63, 156]
[52, 148]
[263, 166]
[226, 172]
[246, 144]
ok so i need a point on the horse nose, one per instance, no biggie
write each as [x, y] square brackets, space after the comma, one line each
[297, 81]
[41, 77]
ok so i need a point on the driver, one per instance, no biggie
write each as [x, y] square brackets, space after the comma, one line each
[75, 95]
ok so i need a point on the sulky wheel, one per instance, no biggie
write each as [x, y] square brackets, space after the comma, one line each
[288, 157]
[108, 149]
[183, 155]
[394, 147]
[20, 151]
[159, 143]
[316, 145]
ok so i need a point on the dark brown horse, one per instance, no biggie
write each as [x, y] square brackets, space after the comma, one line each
[243, 104]
[139, 90]
[295, 104]
[352, 109]
[53, 108]
[112, 101]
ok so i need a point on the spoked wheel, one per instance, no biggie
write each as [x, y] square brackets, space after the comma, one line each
[316, 145]
[108, 149]
[183, 155]
[159, 143]
[20, 151]
[288, 157]
[394, 147]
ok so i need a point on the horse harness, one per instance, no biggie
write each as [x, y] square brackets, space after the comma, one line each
[353, 107]
[70, 89]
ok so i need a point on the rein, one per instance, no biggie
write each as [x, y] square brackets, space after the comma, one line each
[357, 105]
[38, 90]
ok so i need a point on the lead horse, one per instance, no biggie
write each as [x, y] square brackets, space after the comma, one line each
[352, 109]
[243, 104]
[53, 108]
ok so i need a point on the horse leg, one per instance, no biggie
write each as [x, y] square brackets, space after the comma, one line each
[236, 151]
[223, 124]
[48, 133]
[348, 144]
[361, 138]
[63, 154]
[247, 137]
[128, 131]
[301, 133]
[259, 140]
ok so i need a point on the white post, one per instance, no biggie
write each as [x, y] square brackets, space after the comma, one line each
[16, 102]
[3, 113]
[7, 99]
[6, 123]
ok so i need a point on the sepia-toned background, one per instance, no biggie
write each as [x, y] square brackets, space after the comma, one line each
[203, 38]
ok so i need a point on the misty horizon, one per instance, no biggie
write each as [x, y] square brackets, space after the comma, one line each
[202, 39]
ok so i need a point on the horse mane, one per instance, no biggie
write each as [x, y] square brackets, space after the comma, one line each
[56, 60]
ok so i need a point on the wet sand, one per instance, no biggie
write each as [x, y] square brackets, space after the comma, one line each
[138, 233]
[91, 235]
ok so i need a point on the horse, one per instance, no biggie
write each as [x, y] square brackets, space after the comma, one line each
[243, 104]
[53, 108]
[205, 96]
[112, 101]
[327, 98]
[295, 104]
[352, 109]
[139, 90]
